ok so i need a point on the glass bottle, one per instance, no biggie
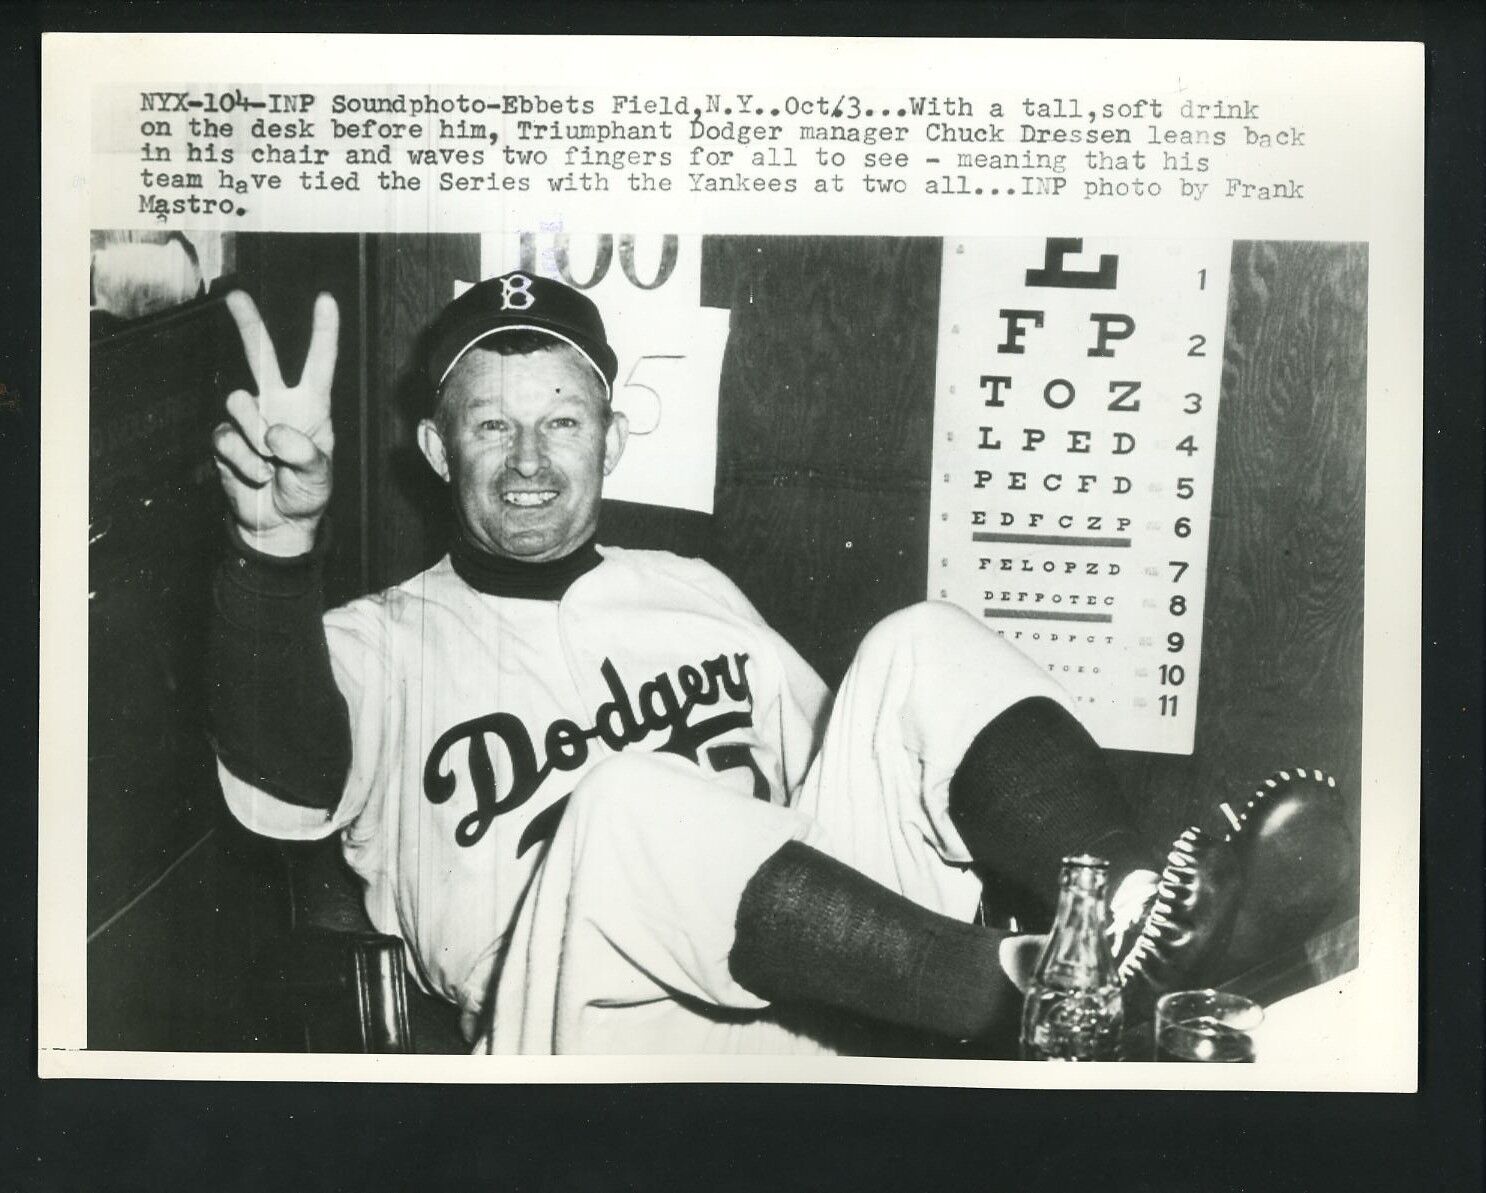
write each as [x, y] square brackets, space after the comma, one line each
[1073, 1009]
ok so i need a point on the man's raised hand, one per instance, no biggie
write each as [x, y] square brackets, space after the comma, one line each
[273, 454]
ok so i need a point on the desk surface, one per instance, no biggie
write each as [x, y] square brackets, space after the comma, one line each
[1305, 993]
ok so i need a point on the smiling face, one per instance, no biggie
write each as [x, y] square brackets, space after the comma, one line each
[525, 443]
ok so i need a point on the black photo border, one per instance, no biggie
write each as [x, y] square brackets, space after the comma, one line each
[165, 1135]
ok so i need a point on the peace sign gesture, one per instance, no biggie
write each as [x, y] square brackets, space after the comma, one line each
[273, 454]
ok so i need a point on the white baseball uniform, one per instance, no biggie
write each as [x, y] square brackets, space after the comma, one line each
[500, 837]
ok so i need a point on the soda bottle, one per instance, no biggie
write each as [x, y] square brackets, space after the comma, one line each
[1073, 1009]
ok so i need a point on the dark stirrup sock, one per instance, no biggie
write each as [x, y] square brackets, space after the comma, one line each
[813, 930]
[1034, 787]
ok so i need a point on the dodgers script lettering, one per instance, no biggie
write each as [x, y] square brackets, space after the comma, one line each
[617, 722]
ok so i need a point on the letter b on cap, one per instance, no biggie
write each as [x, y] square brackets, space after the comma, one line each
[515, 293]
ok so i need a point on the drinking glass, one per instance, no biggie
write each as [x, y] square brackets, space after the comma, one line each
[1206, 1026]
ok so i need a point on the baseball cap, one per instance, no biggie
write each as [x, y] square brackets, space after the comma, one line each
[519, 301]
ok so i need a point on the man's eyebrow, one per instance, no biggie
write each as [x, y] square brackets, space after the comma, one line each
[566, 399]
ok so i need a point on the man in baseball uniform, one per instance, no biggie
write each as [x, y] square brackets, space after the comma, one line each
[606, 806]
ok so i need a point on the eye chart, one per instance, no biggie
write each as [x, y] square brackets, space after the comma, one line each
[1075, 421]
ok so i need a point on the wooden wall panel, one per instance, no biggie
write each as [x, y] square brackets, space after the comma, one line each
[410, 279]
[155, 518]
[825, 577]
[825, 429]
[157, 388]
[177, 896]
[829, 370]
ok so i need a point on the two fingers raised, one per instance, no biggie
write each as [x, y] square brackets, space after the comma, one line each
[319, 361]
[250, 432]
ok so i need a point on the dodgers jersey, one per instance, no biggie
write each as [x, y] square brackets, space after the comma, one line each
[474, 716]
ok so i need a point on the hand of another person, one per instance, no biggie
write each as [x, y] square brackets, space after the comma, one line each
[273, 454]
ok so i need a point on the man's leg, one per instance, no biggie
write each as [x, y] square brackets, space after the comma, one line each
[622, 943]
[657, 919]
[950, 755]
[663, 901]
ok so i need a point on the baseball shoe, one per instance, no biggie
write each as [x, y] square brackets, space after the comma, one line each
[1223, 905]
[1189, 917]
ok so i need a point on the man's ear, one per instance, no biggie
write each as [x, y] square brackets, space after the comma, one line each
[615, 438]
[431, 444]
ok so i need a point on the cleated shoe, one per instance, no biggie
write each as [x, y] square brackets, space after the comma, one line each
[1223, 906]
[1300, 858]
[1189, 917]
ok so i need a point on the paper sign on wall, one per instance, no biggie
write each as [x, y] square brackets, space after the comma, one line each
[648, 289]
[1075, 421]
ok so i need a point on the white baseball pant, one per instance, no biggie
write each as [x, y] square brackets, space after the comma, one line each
[622, 944]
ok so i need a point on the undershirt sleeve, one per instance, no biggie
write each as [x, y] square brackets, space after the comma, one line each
[277, 719]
